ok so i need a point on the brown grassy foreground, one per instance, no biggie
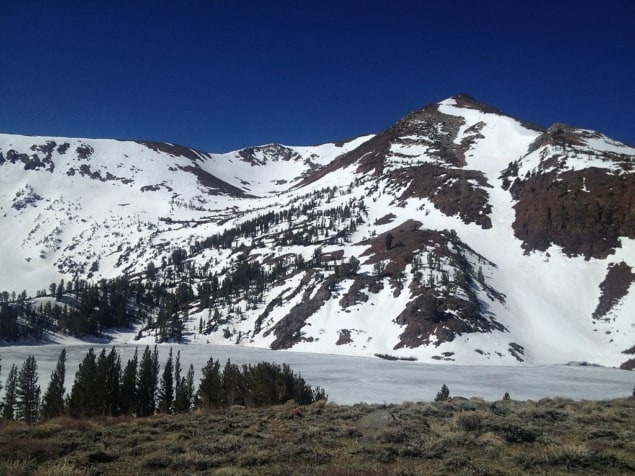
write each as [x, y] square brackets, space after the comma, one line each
[551, 436]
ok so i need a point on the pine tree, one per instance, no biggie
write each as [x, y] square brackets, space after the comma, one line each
[99, 388]
[389, 240]
[86, 398]
[166, 390]
[188, 388]
[113, 387]
[353, 266]
[177, 375]
[8, 409]
[147, 382]
[185, 393]
[479, 277]
[260, 382]
[209, 390]
[232, 389]
[128, 391]
[27, 405]
[443, 395]
[108, 382]
[53, 400]
[59, 291]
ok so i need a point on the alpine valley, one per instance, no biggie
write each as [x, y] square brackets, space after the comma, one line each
[459, 234]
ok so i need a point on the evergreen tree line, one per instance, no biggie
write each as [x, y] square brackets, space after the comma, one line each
[103, 387]
[78, 308]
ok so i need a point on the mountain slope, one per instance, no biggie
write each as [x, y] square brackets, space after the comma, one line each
[458, 234]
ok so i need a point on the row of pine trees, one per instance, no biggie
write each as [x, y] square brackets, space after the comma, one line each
[103, 387]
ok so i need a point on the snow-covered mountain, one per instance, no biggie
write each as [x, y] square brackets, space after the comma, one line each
[458, 234]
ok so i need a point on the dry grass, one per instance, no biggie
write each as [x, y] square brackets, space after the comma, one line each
[552, 436]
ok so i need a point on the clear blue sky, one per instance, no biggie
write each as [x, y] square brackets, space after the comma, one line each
[224, 74]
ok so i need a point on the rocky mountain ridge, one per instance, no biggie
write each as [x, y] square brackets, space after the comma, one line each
[458, 234]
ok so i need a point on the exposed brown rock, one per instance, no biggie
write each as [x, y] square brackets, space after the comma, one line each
[288, 330]
[433, 312]
[408, 238]
[614, 287]
[555, 208]
[272, 152]
[438, 130]
[344, 337]
[628, 365]
[389, 218]
[33, 161]
[84, 151]
[175, 150]
[442, 317]
[453, 191]
[85, 170]
[451, 188]
[468, 102]
[216, 185]
[356, 294]
[561, 135]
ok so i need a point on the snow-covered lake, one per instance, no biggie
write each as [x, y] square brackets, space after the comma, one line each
[349, 380]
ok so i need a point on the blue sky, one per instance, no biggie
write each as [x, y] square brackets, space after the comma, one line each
[224, 74]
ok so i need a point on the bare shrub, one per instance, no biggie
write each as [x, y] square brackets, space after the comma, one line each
[469, 422]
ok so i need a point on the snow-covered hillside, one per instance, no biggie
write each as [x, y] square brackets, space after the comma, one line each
[459, 234]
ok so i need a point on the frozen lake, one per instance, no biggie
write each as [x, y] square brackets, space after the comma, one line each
[349, 380]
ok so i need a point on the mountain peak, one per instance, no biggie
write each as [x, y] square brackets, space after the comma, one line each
[465, 101]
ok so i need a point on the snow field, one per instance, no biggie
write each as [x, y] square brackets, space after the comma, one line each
[99, 222]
